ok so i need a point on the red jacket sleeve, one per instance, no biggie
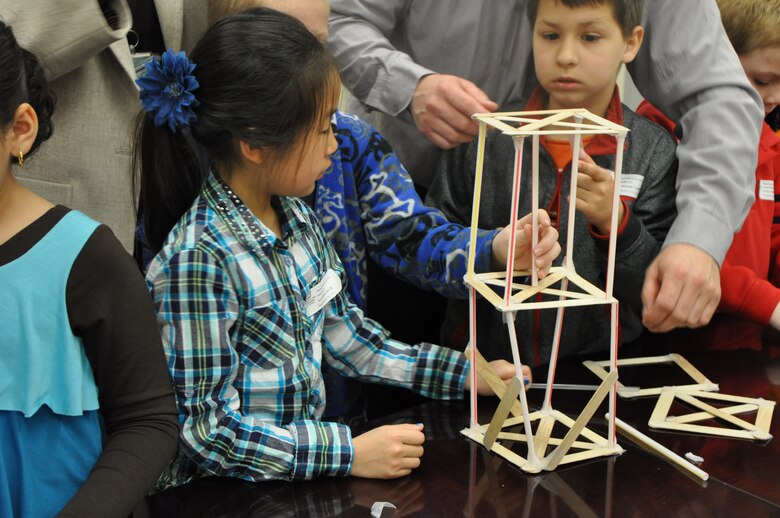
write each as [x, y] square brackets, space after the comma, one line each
[743, 293]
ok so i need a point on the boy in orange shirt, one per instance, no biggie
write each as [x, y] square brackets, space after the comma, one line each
[578, 48]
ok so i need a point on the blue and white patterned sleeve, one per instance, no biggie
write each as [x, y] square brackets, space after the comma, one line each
[197, 310]
[408, 239]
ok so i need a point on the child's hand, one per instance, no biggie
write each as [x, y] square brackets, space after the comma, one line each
[503, 370]
[594, 194]
[390, 451]
[547, 248]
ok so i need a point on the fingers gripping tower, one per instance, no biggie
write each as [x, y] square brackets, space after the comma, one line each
[562, 287]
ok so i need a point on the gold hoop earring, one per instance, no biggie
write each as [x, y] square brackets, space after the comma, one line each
[21, 158]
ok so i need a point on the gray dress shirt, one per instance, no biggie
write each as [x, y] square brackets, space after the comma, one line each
[686, 67]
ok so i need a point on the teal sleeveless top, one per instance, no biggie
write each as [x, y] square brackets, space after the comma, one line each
[42, 362]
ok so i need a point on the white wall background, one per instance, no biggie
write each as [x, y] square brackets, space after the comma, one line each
[628, 92]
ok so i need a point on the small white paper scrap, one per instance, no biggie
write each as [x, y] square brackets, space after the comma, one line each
[379, 508]
[694, 458]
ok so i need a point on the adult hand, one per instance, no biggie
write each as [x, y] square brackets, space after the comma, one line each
[547, 247]
[442, 106]
[594, 194]
[503, 370]
[390, 451]
[682, 289]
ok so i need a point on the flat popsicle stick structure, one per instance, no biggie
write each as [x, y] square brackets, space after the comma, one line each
[701, 382]
[563, 288]
[757, 430]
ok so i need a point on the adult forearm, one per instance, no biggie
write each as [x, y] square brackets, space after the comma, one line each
[376, 73]
[716, 179]
[689, 70]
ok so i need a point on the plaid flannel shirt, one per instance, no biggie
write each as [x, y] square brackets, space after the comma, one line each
[245, 354]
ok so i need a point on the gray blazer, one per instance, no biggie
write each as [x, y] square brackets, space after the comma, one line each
[86, 163]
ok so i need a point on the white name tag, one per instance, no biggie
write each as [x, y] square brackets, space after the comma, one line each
[328, 287]
[630, 184]
[766, 190]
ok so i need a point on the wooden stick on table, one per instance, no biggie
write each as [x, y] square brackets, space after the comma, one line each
[654, 446]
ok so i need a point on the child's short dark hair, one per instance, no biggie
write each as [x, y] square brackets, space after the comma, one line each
[628, 13]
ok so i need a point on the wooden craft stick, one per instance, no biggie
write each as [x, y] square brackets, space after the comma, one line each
[558, 453]
[575, 164]
[542, 436]
[648, 360]
[489, 294]
[703, 385]
[476, 199]
[534, 205]
[692, 371]
[494, 381]
[581, 445]
[515, 386]
[586, 388]
[550, 304]
[516, 182]
[564, 386]
[500, 125]
[554, 292]
[701, 416]
[549, 120]
[764, 417]
[585, 433]
[717, 412]
[654, 446]
[759, 431]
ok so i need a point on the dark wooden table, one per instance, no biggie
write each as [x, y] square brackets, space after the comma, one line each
[460, 478]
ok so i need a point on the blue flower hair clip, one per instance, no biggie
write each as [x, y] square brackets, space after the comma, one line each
[166, 90]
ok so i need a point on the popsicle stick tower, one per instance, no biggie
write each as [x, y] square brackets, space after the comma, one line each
[508, 294]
